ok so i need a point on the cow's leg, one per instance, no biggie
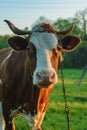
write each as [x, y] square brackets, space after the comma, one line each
[38, 121]
[2, 123]
[9, 125]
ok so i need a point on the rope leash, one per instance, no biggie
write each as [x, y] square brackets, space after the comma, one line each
[67, 111]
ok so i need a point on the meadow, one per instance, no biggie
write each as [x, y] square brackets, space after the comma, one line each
[55, 118]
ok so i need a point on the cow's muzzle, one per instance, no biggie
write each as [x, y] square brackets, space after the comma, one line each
[46, 78]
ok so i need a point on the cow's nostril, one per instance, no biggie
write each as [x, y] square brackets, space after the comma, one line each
[39, 75]
[52, 76]
[43, 75]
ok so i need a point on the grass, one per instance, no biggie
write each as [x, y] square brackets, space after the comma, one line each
[55, 118]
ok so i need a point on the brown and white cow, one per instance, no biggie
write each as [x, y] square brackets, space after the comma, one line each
[28, 72]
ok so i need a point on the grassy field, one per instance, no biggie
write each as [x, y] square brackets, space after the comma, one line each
[55, 118]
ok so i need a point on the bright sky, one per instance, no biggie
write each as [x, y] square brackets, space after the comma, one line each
[23, 13]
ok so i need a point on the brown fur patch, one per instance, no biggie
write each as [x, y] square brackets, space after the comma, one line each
[48, 27]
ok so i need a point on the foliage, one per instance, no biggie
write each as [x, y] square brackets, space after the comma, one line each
[3, 41]
[81, 16]
[77, 58]
[63, 24]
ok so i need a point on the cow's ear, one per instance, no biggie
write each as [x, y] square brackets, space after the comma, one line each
[18, 43]
[69, 43]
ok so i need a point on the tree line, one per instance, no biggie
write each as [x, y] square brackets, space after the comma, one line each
[77, 58]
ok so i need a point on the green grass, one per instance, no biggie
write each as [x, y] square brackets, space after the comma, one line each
[55, 118]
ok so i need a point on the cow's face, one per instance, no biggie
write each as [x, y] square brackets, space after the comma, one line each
[42, 48]
[46, 58]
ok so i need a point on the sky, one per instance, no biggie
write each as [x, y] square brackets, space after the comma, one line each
[23, 13]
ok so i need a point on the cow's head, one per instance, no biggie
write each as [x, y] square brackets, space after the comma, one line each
[44, 47]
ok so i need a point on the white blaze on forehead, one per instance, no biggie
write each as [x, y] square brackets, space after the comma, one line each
[47, 40]
[44, 43]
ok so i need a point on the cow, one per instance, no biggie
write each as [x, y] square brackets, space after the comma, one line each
[28, 72]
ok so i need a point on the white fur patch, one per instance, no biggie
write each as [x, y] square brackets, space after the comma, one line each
[44, 43]
[34, 121]
[47, 40]
[29, 118]
[38, 22]
[7, 57]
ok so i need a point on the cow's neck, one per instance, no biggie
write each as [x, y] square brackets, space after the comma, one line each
[39, 99]
[43, 98]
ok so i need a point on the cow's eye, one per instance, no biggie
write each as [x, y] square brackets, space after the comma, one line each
[31, 48]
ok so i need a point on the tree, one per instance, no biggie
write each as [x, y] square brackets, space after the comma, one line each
[81, 15]
[3, 41]
[63, 24]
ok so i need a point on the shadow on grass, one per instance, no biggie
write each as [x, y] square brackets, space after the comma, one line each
[81, 99]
